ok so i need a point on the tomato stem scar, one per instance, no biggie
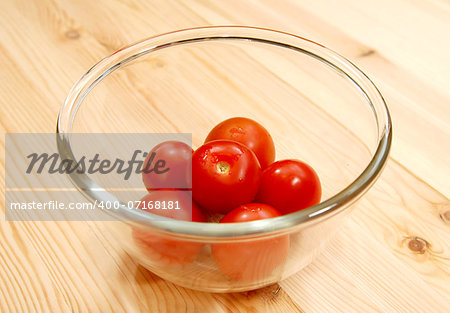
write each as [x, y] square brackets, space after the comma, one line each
[223, 167]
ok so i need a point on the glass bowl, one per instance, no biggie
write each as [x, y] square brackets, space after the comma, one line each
[317, 105]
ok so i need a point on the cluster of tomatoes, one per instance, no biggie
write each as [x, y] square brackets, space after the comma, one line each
[233, 174]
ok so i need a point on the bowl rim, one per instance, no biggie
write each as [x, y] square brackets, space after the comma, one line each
[273, 226]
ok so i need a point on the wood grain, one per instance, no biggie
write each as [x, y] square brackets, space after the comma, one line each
[399, 222]
[393, 254]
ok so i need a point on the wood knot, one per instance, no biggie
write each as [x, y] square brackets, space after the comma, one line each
[72, 34]
[446, 216]
[418, 245]
[367, 53]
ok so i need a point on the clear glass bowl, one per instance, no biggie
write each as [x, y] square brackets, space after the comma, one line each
[317, 105]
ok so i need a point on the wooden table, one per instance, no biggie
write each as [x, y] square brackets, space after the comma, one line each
[393, 254]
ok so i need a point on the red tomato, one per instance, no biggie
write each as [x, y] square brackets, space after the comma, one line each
[225, 174]
[251, 260]
[250, 134]
[163, 250]
[177, 158]
[289, 186]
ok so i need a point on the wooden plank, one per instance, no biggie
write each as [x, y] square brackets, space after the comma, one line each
[411, 219]
[401, 221]
[358, 274]
[76, 266]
